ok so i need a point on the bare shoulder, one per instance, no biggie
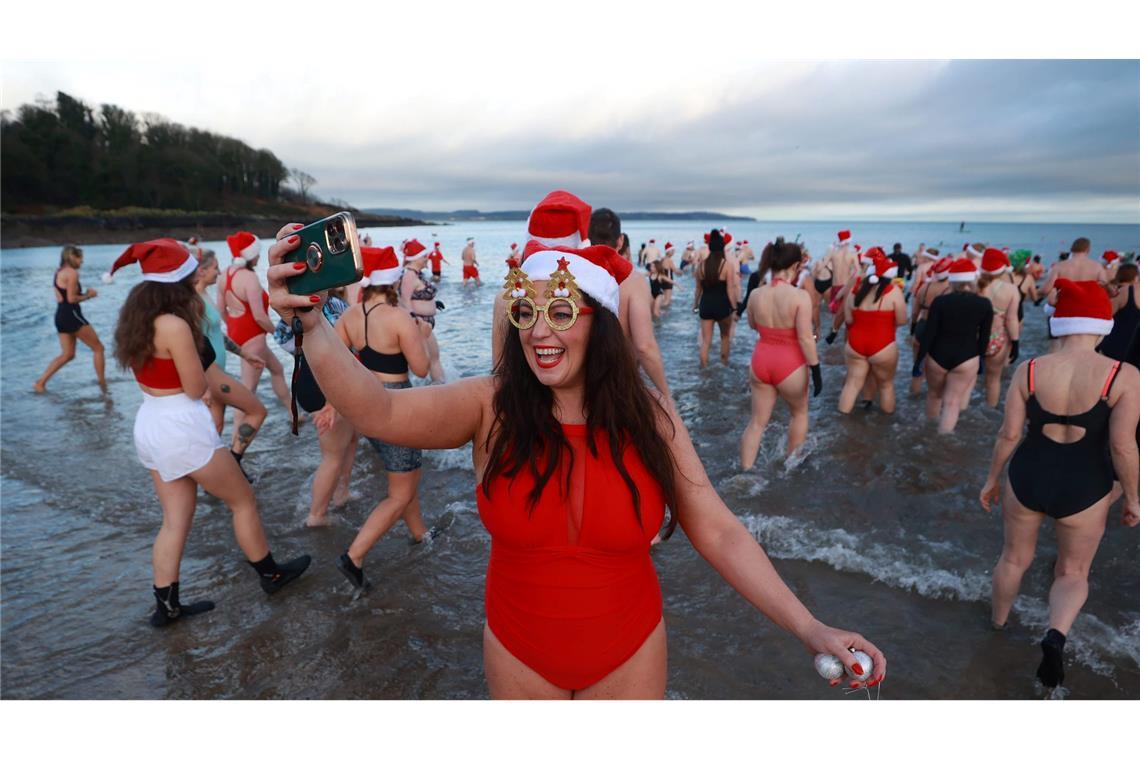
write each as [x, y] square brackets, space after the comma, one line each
[168, 329]
[68, 275]
[1127, 379]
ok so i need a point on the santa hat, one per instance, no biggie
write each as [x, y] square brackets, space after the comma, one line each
[882, 268]
[972, 249]
[598, 269]
[560, 219]
[514, 246]
[668, 247]
[926, 253]
[963, 270]
[435, 245]
[941, 268]
[707, 235]
[162, 260]
[744, 242]
[558, 228]
[381, 266]
[413, 249]
[1083, 308]
[994, 262]
[727, 237]
[1110, 256]
[690, 245]
[844, 237]
[245, 246]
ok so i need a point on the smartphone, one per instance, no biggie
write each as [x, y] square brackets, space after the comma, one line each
[331, 250]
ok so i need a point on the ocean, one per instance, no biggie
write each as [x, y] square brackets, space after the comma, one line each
[877, 529]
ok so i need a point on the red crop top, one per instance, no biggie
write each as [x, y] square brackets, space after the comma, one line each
[160, 374]
[571, 589]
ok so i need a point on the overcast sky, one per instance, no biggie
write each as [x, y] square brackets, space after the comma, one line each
[493, 128]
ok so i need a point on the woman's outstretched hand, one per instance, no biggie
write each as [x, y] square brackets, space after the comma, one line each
[283, 302]
[823, 639]
[991, 494]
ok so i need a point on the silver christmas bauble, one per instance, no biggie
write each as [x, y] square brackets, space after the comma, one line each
[865, 662]
[828, 666]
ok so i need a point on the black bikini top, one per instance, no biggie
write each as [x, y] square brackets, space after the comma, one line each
[390, 364]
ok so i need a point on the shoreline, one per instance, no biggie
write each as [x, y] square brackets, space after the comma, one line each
[34, 230]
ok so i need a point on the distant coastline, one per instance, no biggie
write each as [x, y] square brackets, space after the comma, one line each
[91, 226]
[473, 215]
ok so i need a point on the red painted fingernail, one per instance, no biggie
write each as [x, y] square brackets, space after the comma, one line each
[315, 299]
[294, 239]
[858, 669]
[298, 226]
[299, 265]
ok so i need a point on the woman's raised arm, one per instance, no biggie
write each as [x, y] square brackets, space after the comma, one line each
[431, 417]
[730, 548]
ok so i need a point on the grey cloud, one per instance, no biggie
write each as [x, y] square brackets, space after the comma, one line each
[842, 133]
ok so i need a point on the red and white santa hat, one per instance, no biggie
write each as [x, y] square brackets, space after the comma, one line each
[692, 244]
[668, 247]
[995, 262]
[972, 249]
[962, 270]
[557, 228]
[725, 234]
[941, 268]
[245, 246]
[1083, 308]
[1109, 256]
[560, 219]
[435, 245]
[413, 249]
[882, 267]
[844, 237]
[381, 266]
[162, 260]
[514, 246]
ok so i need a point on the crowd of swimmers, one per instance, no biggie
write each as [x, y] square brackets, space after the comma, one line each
[580, 465]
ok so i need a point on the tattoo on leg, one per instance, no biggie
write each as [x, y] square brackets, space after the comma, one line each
[246, 433]
[225, 388]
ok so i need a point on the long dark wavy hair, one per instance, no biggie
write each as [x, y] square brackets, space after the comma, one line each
[134, 334]
[710, 273]
[526, 434]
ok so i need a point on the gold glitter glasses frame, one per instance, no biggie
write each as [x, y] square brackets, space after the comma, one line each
[517, 303]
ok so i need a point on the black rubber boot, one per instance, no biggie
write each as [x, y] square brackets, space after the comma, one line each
[1051, 671]
[354, 574]
[275, 577]
[169, 610]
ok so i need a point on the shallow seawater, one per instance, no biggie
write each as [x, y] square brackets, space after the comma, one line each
[875, 525]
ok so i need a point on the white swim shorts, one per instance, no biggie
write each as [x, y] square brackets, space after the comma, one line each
[175, 435]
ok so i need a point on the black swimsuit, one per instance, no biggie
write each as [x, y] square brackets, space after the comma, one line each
[957, 328]
[390, 364]
[714, 301]
[1125, 330]
[822, 286]
[1062, 479]
[68, 317]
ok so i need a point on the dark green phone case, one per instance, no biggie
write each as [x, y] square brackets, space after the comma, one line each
[331, 249]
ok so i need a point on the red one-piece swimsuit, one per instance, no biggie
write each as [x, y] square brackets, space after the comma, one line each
[242, 328]
[571, 589]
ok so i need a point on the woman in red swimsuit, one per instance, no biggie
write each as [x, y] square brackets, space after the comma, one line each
[782, 314]
[873, 311]
[575, 461]
[245, 307]
[159, 337]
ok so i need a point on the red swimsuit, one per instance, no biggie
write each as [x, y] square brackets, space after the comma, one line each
[243, 328]
[571, 589]
[871, 330]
